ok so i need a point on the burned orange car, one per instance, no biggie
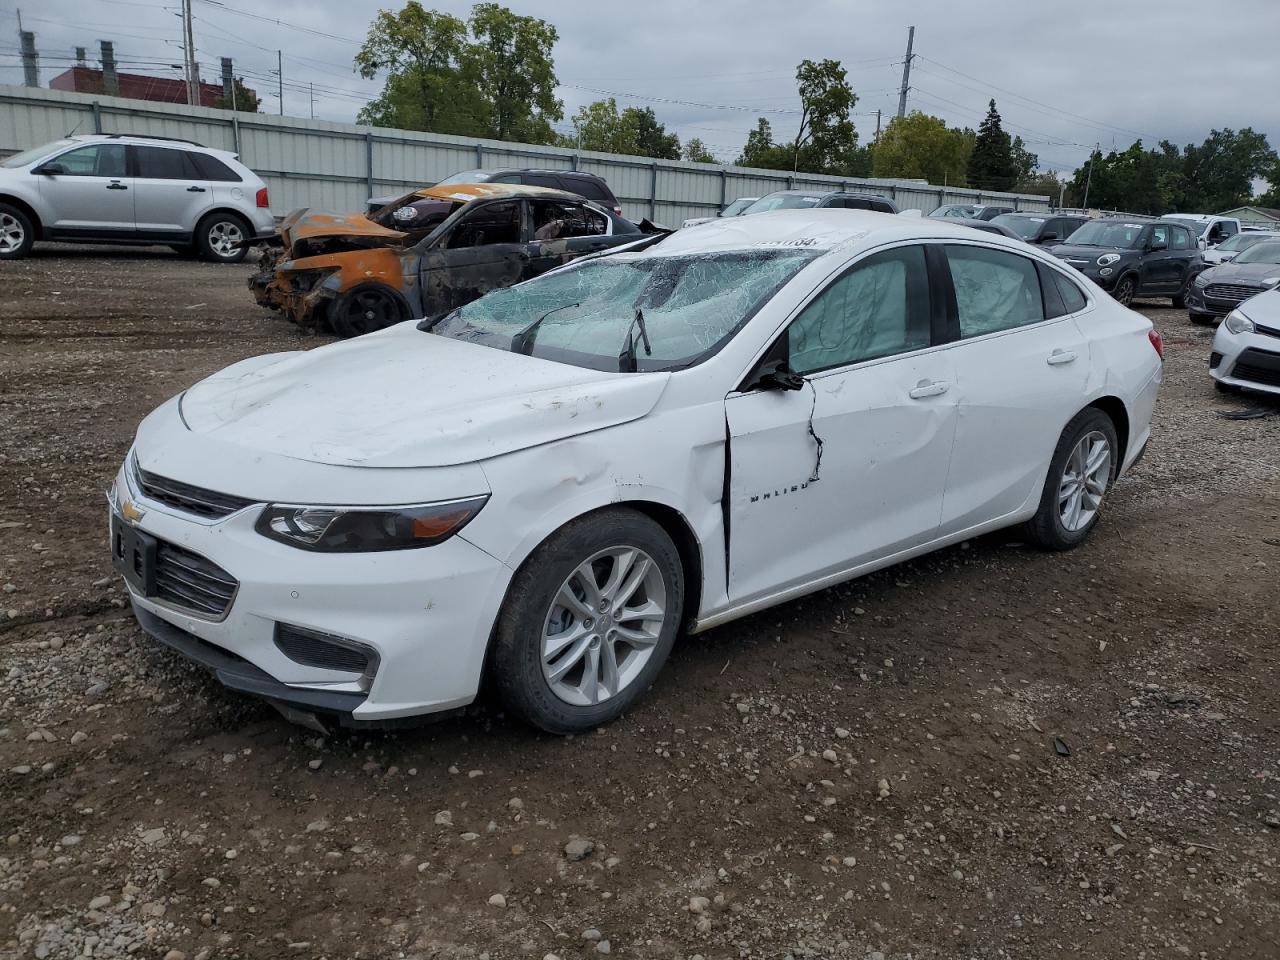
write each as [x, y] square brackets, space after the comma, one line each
[426, 253]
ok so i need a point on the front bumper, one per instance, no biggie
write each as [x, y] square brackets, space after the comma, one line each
[427, 614]
[1250, 360]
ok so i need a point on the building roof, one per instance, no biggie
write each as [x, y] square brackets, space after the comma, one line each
[1269, 213]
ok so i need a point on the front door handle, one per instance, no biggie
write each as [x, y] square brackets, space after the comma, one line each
[929, 388]
[195, 189]
[116, 186]
[1060, 356]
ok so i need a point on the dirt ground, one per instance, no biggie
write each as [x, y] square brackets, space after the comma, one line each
[869, 773]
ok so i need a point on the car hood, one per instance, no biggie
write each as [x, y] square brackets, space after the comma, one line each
[308, 224]
[404, 398]
[1232, 272]
[1078, 251]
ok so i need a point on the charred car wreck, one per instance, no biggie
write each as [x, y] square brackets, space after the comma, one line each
[426, 253]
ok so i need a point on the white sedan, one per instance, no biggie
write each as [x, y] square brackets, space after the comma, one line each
[548, 485]
[1246, 346]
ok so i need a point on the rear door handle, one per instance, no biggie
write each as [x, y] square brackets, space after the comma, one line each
[1060, 356]
[116, 186]
[195, 189]
[929, 388]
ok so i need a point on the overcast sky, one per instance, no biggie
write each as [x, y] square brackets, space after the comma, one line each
[1064, 75]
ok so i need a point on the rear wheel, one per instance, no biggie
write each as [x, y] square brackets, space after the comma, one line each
[589, 621]
[223, 238]
[1084, 464]
[17, 233]
[1126, 287]
[364, 310]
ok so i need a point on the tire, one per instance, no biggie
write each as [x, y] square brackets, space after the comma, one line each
[223, 238]
[1126, 288]
[1180, 301]
[17, 233]
[534, 613]
[365, 310]
[1199, 319]
[1048, 528]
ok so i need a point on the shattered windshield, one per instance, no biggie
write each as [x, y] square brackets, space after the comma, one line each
[1110, 233]
[684, 307]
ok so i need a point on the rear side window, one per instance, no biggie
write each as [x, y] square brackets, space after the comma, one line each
[591, 189]
[160, 163]
[1072, 297]
[555, 221]
[211, 168]
[995, 290]
[1181, 239]
[543, 180]
[878, 309]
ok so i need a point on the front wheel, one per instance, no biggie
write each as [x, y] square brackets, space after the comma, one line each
[16, 233]
[589, 621]
[1084, 464]
[1124, 291]
[364, 310]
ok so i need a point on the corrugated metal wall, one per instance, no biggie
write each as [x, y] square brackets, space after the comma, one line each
[317, 163]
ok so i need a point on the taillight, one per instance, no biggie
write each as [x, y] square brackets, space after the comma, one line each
[1156, 342]
[262, 198]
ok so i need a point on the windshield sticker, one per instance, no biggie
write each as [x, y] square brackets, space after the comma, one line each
[797, 242]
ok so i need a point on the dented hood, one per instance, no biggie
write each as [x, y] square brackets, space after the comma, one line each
[306, 224]
[404, 398]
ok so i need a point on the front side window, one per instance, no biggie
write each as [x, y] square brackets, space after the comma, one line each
[689, 306]
[491, 223]
[1160, 236]
[995, 290]
[100, 160]
[877, 309]
[556, 220]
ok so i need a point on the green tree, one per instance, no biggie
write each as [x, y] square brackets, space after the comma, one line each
[635, 132]
[696, 151]
[1271, 196]
[1219, 173]
[991, 164]
[826, 136]
[1025, 163]
[922, 147]
[243, 99]
[1043, 184]
[650, 137]
[510, 60]
[494, 78]
[761, 151]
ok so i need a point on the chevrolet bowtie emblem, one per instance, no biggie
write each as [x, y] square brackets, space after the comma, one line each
[131, 511]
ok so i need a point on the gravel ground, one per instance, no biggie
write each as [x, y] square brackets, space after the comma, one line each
[870, 772]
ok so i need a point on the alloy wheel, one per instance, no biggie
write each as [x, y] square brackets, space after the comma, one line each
[1124, 292]
[603, 625]
[1084, 481]
[225, 238]
[12, 235]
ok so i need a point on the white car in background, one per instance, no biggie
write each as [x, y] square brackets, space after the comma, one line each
[1239, 243]
[732, 210]
[549, 484]
[1209, 229]
[1246, 346]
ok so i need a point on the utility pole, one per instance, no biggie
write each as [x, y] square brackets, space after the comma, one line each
[312, 87]
[1088, 177]
[30, 61]
[906, 74]
[877, 139]
[280, 79]
[189, 56]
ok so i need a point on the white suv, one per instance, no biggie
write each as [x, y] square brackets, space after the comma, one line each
[123, 189]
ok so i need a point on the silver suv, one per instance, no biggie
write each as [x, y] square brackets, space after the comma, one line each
[112, 188]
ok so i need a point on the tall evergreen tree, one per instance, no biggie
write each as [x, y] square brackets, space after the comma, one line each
[992, 165]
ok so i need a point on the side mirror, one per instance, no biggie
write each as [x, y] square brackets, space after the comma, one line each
[776, 375]
[50, 169]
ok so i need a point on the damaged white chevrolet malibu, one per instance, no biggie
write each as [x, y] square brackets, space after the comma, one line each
[544, 487]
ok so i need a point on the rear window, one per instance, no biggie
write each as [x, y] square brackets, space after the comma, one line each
[211, 168]
[591, 189]
[466, 176]
[160, 163]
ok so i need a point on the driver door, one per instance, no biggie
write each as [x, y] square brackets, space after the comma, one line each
[484, 250]
[850, 467]
[93, 194]
[1160, 265]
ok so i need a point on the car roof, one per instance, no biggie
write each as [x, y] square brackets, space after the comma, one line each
[495, 171]
[485, 191]
[821, 229]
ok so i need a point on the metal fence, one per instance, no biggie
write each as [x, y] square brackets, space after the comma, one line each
[318, 163]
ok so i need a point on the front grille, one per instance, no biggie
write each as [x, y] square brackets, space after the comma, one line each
[1266, 331]
[189, 498]
[315, 649]
[188, 580]
[1258, 366]
[1233, 292]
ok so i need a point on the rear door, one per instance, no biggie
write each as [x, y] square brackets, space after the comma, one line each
[93, 194]
[1020, 371]
[170, 194]
[486, 249]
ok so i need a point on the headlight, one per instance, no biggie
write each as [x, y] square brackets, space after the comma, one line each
[367, 529]
[1108, 258]
[1271, 281]
[1237, 322]
[1201, 280]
